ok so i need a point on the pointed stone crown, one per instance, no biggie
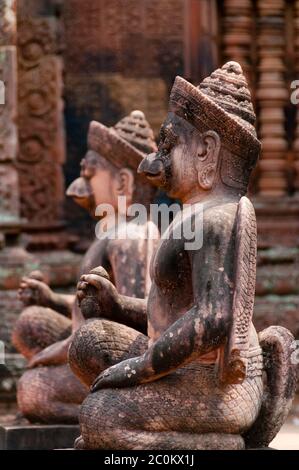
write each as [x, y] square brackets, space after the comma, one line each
[135, 129]
[125, 144]
[222, 102]
[228, 88]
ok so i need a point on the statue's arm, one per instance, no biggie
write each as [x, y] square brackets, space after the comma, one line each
[133, 313]
[57, 353]
[202, 329]
[196, 333]
[110, 304]
[53, 355]
[62, 303]
[36, 292]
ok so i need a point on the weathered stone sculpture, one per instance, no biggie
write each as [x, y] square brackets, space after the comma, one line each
[51, 393]
[195, 382]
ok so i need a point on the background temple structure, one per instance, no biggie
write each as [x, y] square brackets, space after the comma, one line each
[65, 63]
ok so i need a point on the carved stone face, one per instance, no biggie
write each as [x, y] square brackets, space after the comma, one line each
[100, 183]
[185, 164]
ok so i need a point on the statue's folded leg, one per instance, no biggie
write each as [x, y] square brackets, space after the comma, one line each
[187, 409]
[38, 327]
[50, 395]
[99, 344]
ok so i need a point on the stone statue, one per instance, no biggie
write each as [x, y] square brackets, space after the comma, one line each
[49, 392]
[195, 381]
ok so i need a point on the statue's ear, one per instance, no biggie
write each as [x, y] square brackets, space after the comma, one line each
[207, 159]
[125, 183]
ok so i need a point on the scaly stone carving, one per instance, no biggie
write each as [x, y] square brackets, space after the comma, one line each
[195, 380]
[51, 393]
[40, 120]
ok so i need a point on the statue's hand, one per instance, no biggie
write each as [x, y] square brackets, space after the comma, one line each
[56, 354]
[124, 374]
[97, 296]
[34, 292]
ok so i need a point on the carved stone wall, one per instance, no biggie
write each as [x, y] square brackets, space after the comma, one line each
[124, 55]
[118, 56]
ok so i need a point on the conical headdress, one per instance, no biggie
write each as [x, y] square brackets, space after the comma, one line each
[125, 144]
[222, 102]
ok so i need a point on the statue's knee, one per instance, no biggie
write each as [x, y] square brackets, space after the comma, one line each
[87, 357]
[76, 355]
[25, 331]
[45, 395]
[30, 394]
[99, 344]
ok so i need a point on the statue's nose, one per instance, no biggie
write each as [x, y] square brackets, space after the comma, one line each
[80, 188]
[150, 165]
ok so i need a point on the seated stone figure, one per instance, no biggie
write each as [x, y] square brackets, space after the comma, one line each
[195, 381]
[50, 392]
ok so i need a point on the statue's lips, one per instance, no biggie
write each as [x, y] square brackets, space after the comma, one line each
[149, 174]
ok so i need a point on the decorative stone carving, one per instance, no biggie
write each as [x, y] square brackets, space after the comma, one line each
[13, 258]
[272, 95]
[40, 121]
[51, 393]
[195, 381]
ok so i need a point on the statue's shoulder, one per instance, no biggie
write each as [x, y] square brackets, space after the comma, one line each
[220, 219]
[95, 254]
[225, 215]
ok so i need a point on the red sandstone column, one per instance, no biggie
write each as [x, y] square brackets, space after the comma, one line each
[238, 29]
[41, 130]
[200, 42]
[296, 140]
[14, 260]
[9, 190]
[272, 94]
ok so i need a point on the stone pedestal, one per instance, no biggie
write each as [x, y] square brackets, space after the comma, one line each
[38, 437]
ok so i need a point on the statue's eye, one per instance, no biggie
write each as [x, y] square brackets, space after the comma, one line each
[166, 145]
[169, 141]
[161, 134]
[90, 172]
